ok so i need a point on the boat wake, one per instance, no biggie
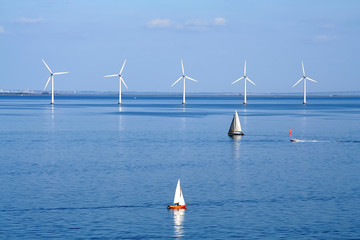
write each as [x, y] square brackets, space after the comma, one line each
[299, 140]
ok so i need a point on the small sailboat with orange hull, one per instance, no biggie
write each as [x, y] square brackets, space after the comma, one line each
[179, 202]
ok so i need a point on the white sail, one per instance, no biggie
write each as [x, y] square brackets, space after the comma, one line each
[177, 193]
[182, 200]
[235, 124]
[179, 198]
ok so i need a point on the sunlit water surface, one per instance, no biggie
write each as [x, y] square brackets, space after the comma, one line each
[87, 168]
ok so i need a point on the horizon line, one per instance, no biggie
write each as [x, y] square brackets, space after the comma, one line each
[139, 93]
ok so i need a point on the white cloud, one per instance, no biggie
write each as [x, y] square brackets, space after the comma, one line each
[2, 30]
[219, 21]
[196, 22]
[159, 23]
[323, 38]
[329, 25]
[192, 24]
[31, 20]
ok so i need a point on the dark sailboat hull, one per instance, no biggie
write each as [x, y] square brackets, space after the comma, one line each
[235, 133]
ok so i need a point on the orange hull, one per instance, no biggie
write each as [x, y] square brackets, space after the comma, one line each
[177, 207]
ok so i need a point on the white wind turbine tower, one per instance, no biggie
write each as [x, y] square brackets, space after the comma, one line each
[183, 77]
[246, 78]
[52, 80]
[304, 77]
[121, 80]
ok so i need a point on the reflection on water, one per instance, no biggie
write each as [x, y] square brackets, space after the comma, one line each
[236, 138]
[179, 215]
[52, 117]
[236, 145]
[120, 118]
[304, 118]
[183, 119]
[121, 125]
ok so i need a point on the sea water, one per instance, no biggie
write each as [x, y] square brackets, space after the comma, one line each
[87, 168]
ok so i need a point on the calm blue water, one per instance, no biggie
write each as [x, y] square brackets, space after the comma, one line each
[87, 168]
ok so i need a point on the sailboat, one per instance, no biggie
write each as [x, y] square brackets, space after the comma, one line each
[235, 127]
[179, 202]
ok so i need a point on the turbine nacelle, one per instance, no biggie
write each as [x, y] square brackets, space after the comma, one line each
[183, 76]
[51, 73]
[304, 77]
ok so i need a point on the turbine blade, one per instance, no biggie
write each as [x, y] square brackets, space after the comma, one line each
[250, 81]
[46, 66]
[302, 64]
[122, 68]
[298, 82]
[237, 80]
[123, 82]
[113, 75]
[47, 83]
[311, 79]
[191, 79]
[176, 81]
[245, 68]
[182, 67]
[59, 73]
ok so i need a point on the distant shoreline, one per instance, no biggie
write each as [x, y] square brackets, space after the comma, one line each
[164, 94]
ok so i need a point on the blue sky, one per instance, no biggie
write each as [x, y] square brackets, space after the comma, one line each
[91, 39]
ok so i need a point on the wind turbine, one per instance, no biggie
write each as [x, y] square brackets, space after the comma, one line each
[121, 80]
[304, 77]
[52, 80]
[183, 77]
[246, 78]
